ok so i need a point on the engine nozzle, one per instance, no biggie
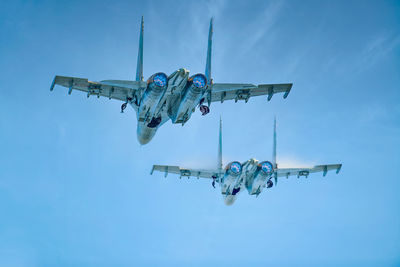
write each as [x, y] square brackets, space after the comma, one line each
[199, 80]
[234, 168]
[266, 167]
[158, 79]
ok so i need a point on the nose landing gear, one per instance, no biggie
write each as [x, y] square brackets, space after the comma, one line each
[154, 122]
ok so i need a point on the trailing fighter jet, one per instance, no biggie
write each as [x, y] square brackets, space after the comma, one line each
[174, 97]
[252, 175]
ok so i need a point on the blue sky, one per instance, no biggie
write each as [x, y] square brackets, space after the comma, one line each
[75, 187]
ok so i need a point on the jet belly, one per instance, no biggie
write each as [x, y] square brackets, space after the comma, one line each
[258, 183]
[150, 99]
[228, 184]
[192, 94]
[253, 179]
[261, 176]
[232, 180]
[188, 103]
[146, 133]
[151, 107]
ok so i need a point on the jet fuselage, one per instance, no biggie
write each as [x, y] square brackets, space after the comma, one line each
[251, 175]
[167, 98]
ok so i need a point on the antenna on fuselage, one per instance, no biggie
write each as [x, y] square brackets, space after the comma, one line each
[220, 147]
[139, 67]
[274, 154]
[209, 48]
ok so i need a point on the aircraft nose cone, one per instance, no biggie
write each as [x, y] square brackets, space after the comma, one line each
[145, 134]
[143, 140]
[229, 200]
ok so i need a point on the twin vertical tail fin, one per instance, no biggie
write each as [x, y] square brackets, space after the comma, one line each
[209, 50]
[139, 68]
[274, 154]
[220, 147]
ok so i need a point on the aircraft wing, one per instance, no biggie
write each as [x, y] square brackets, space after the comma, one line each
[184, 172]
[229, 91]
[306, 171]
[115, 89]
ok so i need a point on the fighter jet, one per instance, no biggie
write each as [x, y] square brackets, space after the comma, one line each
[174, 97]
[251, 175]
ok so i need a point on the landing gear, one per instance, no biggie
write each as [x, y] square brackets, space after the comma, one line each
[154, 122]
[123, 107]
[204, 110]
[235, 191]
[269, 184]
[213, 182]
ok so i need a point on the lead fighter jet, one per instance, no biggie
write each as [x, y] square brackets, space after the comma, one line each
[252, 175]
[174, 97]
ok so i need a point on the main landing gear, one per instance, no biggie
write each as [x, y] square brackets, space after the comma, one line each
[124, 105]
[203, 108]
[213, 182]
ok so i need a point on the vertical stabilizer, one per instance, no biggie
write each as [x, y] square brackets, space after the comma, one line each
[209, 48]
[274, 154]
[220, 147]
[274, 146]
[139, 68]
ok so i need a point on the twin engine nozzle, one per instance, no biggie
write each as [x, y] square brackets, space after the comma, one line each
[235, 168]
[160, 79]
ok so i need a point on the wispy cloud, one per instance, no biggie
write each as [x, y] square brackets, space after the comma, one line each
[376, 49]
[291, 162]
[262, 24]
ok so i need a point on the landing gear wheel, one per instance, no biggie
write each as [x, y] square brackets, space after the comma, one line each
[123, 107]
[269, 184]
[204, 110]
